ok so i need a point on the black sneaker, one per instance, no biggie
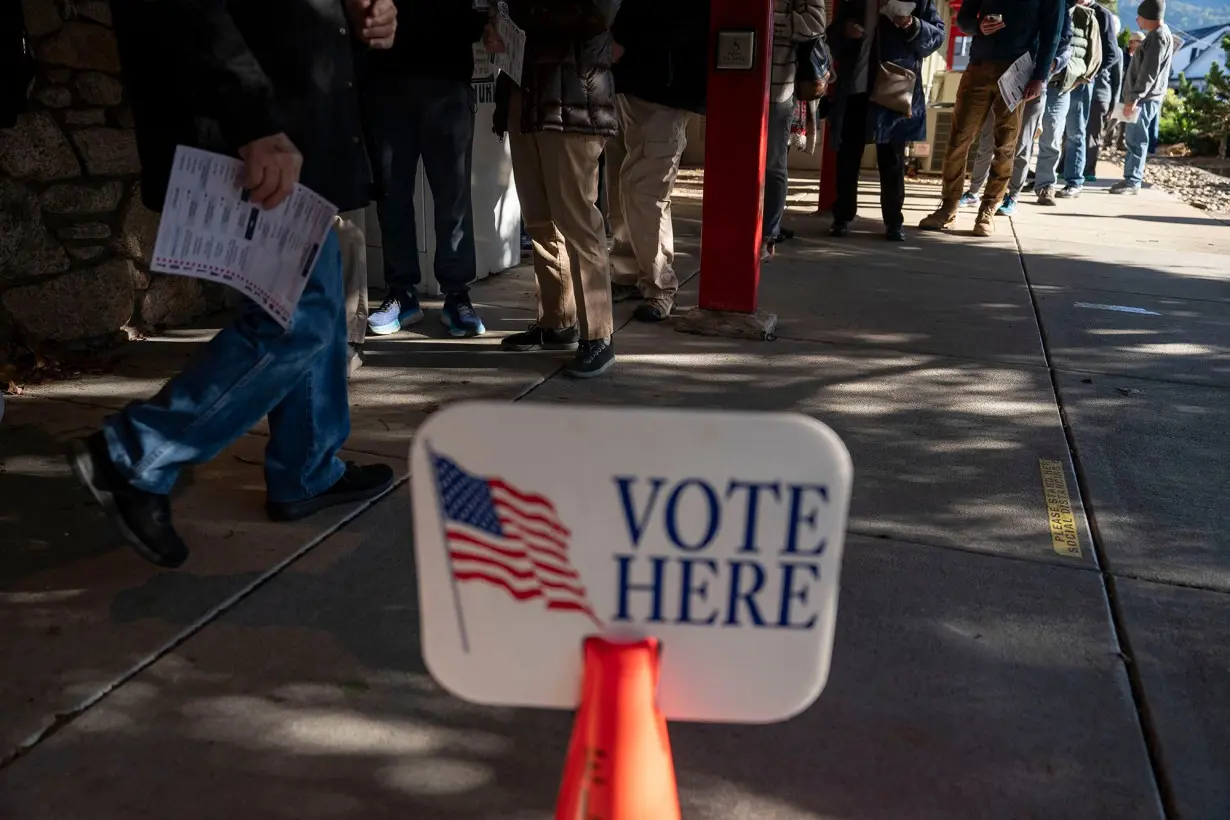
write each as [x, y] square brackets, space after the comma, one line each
[896, 234]
[144, 519]
[541, 338]
[593, 359]
[840, 229]
[623, 293]
[359, 483]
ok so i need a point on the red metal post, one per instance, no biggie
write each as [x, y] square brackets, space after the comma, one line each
[735, 134]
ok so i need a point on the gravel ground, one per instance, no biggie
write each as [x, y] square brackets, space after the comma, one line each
[1196, 186]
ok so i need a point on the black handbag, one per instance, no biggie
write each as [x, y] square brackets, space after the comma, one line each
[814, 70]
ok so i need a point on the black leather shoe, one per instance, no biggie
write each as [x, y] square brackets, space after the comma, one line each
[359, 483]
[896, 234]
[144, 519]
[840, 230]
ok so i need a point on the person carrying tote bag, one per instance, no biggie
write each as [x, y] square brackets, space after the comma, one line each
[879, 99]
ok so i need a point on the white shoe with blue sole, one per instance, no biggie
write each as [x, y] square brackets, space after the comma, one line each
[395, 313]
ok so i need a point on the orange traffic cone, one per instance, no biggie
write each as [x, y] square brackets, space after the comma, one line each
[619, 759]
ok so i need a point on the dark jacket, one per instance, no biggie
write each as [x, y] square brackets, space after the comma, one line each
[1030, 27]
[566, 80]
[904, 47]
[435, 38]
[666, 52]
[1063, 51]
[217, 75]
[1112, 57]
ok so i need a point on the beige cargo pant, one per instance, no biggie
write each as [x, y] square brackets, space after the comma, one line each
[351, 227]
[557, 183]
[642, 165]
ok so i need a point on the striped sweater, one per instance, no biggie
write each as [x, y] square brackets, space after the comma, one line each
[794, 22]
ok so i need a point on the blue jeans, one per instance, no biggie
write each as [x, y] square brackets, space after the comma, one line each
[776, 170]
[253, 369]
[1054, 123]
[413, 118]
[1080, 101]
[1136, 137]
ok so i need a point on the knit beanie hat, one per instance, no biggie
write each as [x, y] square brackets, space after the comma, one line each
[1151, 9]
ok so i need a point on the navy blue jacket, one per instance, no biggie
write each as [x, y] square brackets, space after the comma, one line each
[1030, 27]
[904, 47]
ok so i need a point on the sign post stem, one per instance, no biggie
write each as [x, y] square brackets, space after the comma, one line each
[452, 573]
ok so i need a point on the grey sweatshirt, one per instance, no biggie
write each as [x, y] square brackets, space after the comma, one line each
[1148, 74]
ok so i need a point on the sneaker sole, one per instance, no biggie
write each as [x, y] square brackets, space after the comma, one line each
[81, 460]
[392, 327]
[303, 509]
[461, 332]
[589, 374]
[557, 346]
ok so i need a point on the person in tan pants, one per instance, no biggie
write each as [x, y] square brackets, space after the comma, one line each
[660, 75]
[559, 121]
[351, 228]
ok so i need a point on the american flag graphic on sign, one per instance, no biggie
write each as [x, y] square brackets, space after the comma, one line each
[498, 534]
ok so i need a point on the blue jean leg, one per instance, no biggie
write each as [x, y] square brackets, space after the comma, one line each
[1054, 121]
[1079, 105]
[1136, 140]
[432, 120]
[776, 171]
[251, 369]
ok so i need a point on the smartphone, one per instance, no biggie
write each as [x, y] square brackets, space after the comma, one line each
[994, 18]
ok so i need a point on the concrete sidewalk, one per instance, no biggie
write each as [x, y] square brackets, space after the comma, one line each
[981, 671]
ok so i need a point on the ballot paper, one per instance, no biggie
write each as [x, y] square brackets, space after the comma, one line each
[1118, 113]
[1013, 81]
[897, 8]
[210, 230]
[513, 56]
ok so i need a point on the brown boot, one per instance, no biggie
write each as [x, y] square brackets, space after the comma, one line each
[984, 225]
[944, 218]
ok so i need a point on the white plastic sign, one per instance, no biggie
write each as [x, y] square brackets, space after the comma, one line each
[718, 533]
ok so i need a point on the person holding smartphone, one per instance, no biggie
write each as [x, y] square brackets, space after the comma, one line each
[1003, 31]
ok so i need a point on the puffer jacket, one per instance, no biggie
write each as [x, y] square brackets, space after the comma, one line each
[566, 79]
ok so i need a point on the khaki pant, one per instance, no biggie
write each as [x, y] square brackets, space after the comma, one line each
[351, 229]
[642, 165]
[557, 183]
[977, 98]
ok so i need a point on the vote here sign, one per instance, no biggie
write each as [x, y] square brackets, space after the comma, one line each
[718, 533]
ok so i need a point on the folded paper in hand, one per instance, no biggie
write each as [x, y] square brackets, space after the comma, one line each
[897, 8]
[1013, 81]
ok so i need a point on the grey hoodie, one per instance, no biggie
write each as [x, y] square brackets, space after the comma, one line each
[1148, 75]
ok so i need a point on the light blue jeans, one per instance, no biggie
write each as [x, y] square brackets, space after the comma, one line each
[1080, 101]
[1054, 123]
[1136, 136]
[776, 170]
[250, 370]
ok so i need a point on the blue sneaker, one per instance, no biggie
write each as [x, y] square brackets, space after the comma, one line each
[1007, 207]
[460, 317]
[396, 311]
[969, 199]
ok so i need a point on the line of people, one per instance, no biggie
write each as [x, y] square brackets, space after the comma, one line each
[1078, 78]
[346, 97]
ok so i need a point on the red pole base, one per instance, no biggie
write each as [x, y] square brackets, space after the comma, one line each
[619, 764]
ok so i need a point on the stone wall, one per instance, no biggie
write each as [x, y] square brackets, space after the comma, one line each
[74, 236]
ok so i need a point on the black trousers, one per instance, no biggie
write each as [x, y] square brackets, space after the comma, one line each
[890, 158]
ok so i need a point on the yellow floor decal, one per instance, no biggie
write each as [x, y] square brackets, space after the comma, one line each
[1059, 509]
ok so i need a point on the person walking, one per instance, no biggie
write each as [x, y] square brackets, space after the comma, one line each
[419, 105]
[1002, 33]
[1056, 119]
[868, 41]
[794, 22]
[558, 122]
[1106, 88]
[1031, 121]
[661, 76]
[274, 87]
[1144, 88]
